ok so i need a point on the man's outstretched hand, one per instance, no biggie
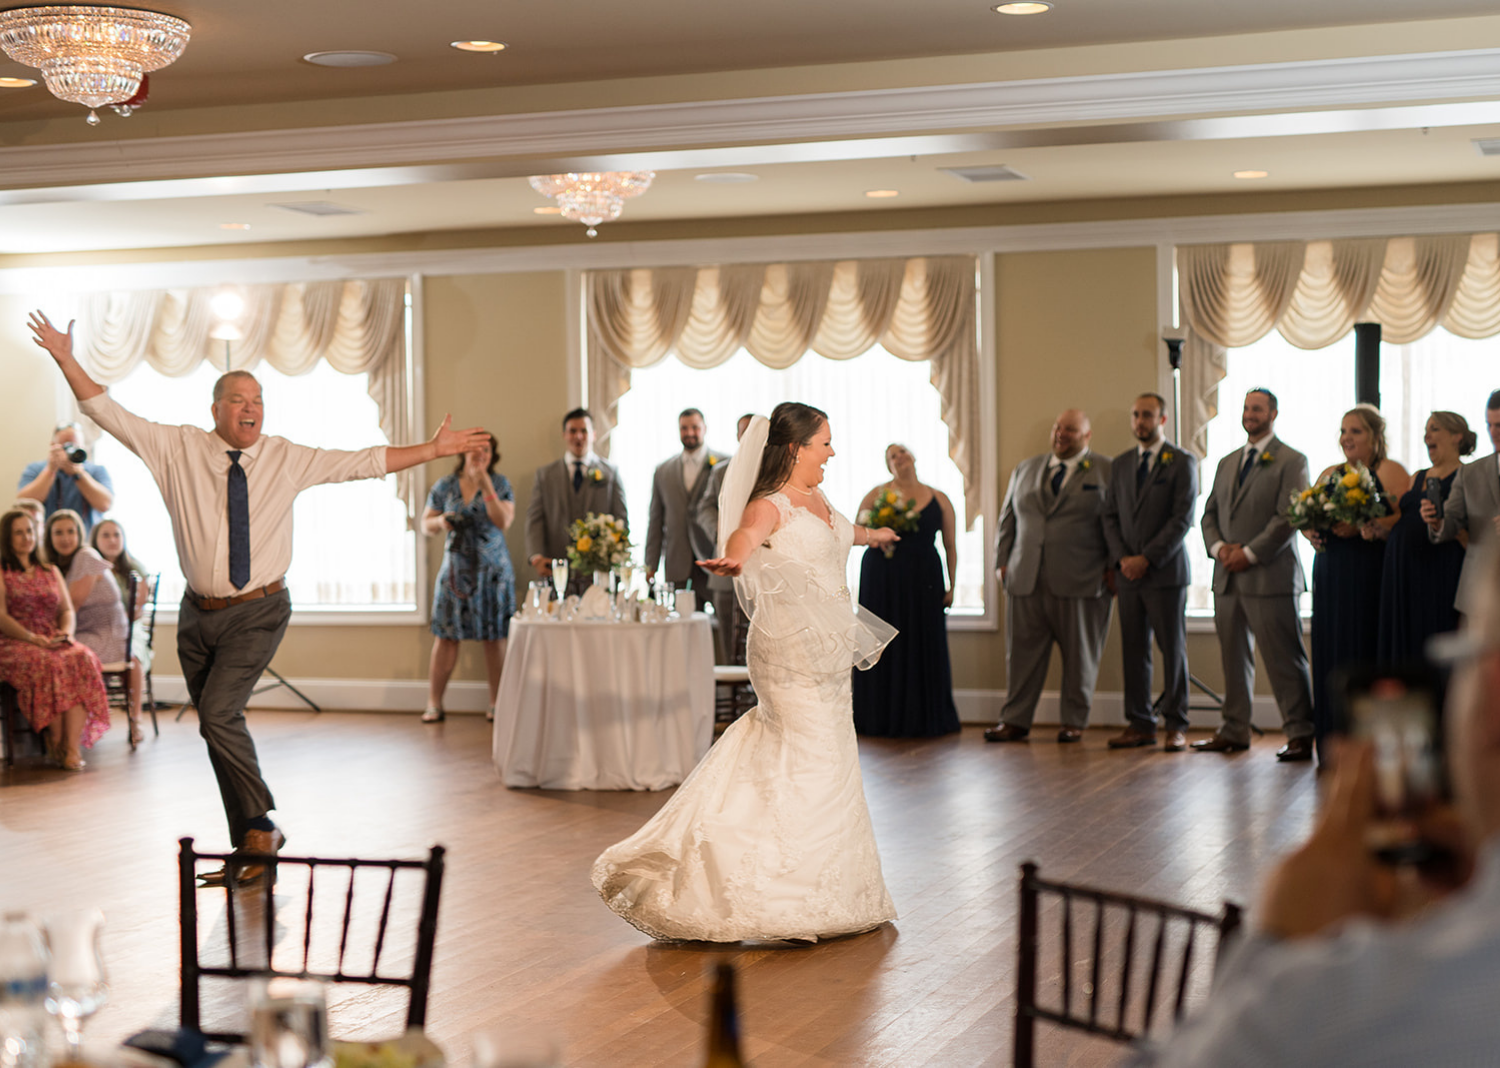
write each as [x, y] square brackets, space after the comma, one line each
[49, 337]
[450, 442]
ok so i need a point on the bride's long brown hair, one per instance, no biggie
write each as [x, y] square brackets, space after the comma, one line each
[792, 426]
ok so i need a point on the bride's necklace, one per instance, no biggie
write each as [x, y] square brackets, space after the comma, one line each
[798, 489]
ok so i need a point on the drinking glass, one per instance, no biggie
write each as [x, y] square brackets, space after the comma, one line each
[560, 576]
[289, 1024]
[515, 1047]
[540, 595]
[76, 986]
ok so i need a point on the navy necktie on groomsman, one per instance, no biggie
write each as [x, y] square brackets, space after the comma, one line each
[1248, 464]
[1142, 470]
[1057, 478]
[577, 475]
[239, 523]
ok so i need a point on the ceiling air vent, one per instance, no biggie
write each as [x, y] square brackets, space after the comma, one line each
[1488, 146]
[998, 173]
[319, 207]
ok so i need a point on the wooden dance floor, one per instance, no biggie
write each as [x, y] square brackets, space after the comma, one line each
[524, 943]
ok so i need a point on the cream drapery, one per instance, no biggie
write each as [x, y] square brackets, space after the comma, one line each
[357, 326]
[1314, 292]
[917, 309]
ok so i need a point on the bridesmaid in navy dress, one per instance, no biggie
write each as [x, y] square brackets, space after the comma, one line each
[1347, 570]
[909, 693]
[1420, 580]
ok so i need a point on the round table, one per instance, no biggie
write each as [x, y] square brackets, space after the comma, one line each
[593, 705]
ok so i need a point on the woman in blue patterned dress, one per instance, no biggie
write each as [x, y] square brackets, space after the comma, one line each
[475, 594]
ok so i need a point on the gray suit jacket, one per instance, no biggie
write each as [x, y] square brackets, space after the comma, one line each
[554, 505]
[1153, 522]
[1253, 514]
[706, 523]
[673, 520]
[1054, 544]
[1472, 505]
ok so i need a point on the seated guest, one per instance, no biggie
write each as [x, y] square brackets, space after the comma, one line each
[1419, 582]
[58, 687]
[57, 482]
[1343, 967]
[38, 515]
[108, 540]
[102, 623]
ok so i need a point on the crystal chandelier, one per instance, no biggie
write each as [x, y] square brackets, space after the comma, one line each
[593, 197]
[92, 55]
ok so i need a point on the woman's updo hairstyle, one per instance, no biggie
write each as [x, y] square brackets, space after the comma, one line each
[1454, 423]
[792, 426]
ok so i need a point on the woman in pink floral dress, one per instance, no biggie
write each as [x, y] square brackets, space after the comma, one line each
[57, 680]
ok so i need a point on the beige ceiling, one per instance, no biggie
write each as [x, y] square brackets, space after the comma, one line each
[242, 71]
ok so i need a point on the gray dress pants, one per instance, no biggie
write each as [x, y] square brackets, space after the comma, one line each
[223, 655]
[1033, 624]
[1243, 622]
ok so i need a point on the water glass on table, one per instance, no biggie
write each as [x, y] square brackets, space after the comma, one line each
[560, 576]
[289, 1024]
[76, 986]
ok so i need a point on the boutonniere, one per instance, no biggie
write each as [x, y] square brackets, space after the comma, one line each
[1166, 457]
[1084, 464]
[596, 474]
[1267, 459]
[712, 460]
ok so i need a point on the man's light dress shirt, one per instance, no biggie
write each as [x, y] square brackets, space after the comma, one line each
[1408, 995]
[191, 466]
[1259, 445]
[692, 465]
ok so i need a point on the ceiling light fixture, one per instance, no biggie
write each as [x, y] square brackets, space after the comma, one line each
[1030, 7]
[479, 46]
[550, 209]
[881, 194]
[349, 59]
[17, 83]
[592, 197]
[1252, 174]
[92, 55]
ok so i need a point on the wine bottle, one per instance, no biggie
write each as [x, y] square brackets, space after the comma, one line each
[724, 1022]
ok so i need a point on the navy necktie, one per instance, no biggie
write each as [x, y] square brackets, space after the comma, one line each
[1142, 471]
[1248, 464]
[577, 475]
[239, 523]
[1057, 478]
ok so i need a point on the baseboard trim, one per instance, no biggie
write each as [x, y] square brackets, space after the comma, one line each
[983, 706]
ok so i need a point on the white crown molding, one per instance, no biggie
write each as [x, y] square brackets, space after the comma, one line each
[1298, 86]
[1122, 233]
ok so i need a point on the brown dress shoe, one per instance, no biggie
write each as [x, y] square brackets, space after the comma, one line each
[248, 875]
[1006, 732]
[1296, 749]
[1130, 738]
[1176, 742]
[1219, 744]
[1070, 734]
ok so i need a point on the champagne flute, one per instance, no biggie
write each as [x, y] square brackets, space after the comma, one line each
[560, 576]
[76, 987]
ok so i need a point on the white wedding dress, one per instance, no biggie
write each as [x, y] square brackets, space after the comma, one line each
[769, 837]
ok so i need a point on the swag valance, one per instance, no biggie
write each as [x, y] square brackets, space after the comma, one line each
[917, 309]
[357, 326]
[1313, 292]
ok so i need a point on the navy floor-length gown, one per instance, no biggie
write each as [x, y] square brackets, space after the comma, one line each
[1345, 618]
[1419, 582]
[909, 693]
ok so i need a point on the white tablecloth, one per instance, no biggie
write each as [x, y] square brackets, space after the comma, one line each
[605, 706]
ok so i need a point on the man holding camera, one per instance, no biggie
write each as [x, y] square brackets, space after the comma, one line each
[65, 479]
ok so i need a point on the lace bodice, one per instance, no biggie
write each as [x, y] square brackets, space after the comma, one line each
[802, 536]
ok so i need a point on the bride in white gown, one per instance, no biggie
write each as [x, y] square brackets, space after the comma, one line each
[769, 837]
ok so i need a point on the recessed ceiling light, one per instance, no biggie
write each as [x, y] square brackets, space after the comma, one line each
[479, 46]
[1252, 174]
[234, 226]
[726, 178]
[1030, 7]
[549, 210]
[349, 59]
[17, 83]
[879, 194]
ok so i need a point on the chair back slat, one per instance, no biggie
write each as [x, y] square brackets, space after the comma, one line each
[1117, 920]
[348, 917]
[385, 917]
[307, 924]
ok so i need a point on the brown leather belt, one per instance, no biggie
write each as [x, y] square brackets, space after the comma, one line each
[214, 604]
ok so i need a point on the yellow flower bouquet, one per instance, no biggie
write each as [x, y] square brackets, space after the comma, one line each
[889, 510]
[1348, 495]
[597, 543]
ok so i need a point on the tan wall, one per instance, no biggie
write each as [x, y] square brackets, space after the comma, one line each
[30, 409]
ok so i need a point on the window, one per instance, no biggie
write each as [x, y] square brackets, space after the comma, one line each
[871, 401]
[1315, 389]
[351, 551]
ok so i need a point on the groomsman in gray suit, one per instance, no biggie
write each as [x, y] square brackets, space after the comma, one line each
[1053, 561]
[705, 539]
[1153, 489]
[676, 490]
[1473, 505]
[566, 490]
[1257, 581]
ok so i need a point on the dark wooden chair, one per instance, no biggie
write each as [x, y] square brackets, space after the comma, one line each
[117, 675]
[1120, 965]
[301, 940]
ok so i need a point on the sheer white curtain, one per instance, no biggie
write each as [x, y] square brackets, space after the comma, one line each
[1314, 292]
[916, 309]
